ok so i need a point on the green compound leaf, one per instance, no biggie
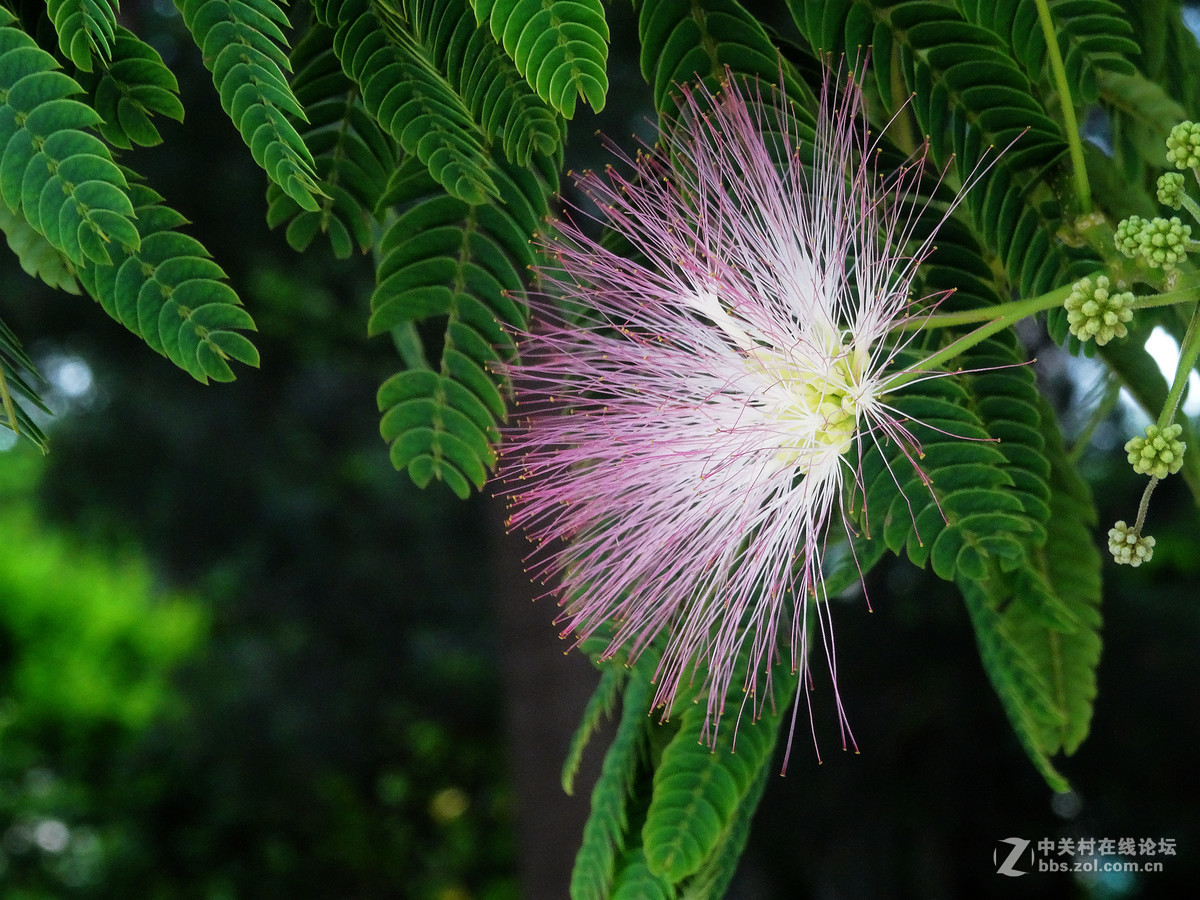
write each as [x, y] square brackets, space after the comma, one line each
[500, 100]
[129, 90]
[86, 29]
[1038, 628]
[701, 786]
[712, 879]
[245, 47]
[638, 881]
[686, 40]
[600, 707]
[606, 831]
[53, 172]
[1094, 38]
[1023, 693]
[409, 97]
[560, 47]
[170, 293]
[38, 257]
[1142, 114]
[16, 391]
[972, 99]
[1072, 566]
[956, 512]
[444, 257]
[354, 157]
[1011, 532]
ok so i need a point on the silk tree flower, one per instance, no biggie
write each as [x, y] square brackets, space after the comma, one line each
[686, 423]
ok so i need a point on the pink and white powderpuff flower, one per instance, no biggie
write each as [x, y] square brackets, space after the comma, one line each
[687, 412]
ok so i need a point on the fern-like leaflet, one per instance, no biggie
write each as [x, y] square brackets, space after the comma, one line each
[245, 48]
[559, 46]
[501, 101]
[171, 294]
[354, 157]
[126, 91]
[409, 97]
[16, 373]
[53, 171]
[86, 29]
[444, 257]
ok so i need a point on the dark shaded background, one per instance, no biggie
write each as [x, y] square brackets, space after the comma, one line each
[345, 731]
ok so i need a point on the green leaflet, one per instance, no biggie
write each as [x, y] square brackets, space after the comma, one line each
[638, 881]
[1006, 401]
[1072, 565]
[500, 100]
[966, 516]
[1094, 38]
[444, 257]
[702, 795]
[559, 46]
[600, 707]
[605, 834]
[409, 98]
[700, 786]
[54, 172]
[1170, 54]
[1141, 114]
[1011, 532]
[1038, 628]
[131, 88]
[16, 371]
[353, 156]
[86, 28]
[244, 46]
[38, 257]
[171, 294]
[714, 875]
[971, 99]
[685, 39]
[1023, 694]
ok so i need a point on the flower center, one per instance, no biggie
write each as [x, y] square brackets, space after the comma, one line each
[813, 403]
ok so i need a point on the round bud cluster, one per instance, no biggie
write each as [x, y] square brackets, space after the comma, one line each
[1128, 236]
[1159, 453]
[1170, 189]
[1127, 547]
[1162, 243]
[1183, 145]
[1093, 312]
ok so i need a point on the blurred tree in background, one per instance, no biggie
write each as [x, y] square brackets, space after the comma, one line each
[241, 657]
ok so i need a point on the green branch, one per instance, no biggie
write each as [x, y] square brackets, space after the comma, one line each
[1188, 351]
[1071, 126]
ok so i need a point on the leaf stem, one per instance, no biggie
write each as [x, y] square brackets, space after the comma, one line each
[408, 345]
[1189, 350]
[1001, 316]
[1013, 311]
[1070, 125]
[6, 402]
[1144, 506]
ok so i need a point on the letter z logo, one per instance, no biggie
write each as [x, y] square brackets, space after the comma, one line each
[1019, 846]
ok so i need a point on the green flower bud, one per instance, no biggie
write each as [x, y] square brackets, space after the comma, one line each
[1170, 189]
[1128, 234]
[1092, 312]
[1183, 145]
[1162, 243]
[1159, 453]
[1128, 547]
